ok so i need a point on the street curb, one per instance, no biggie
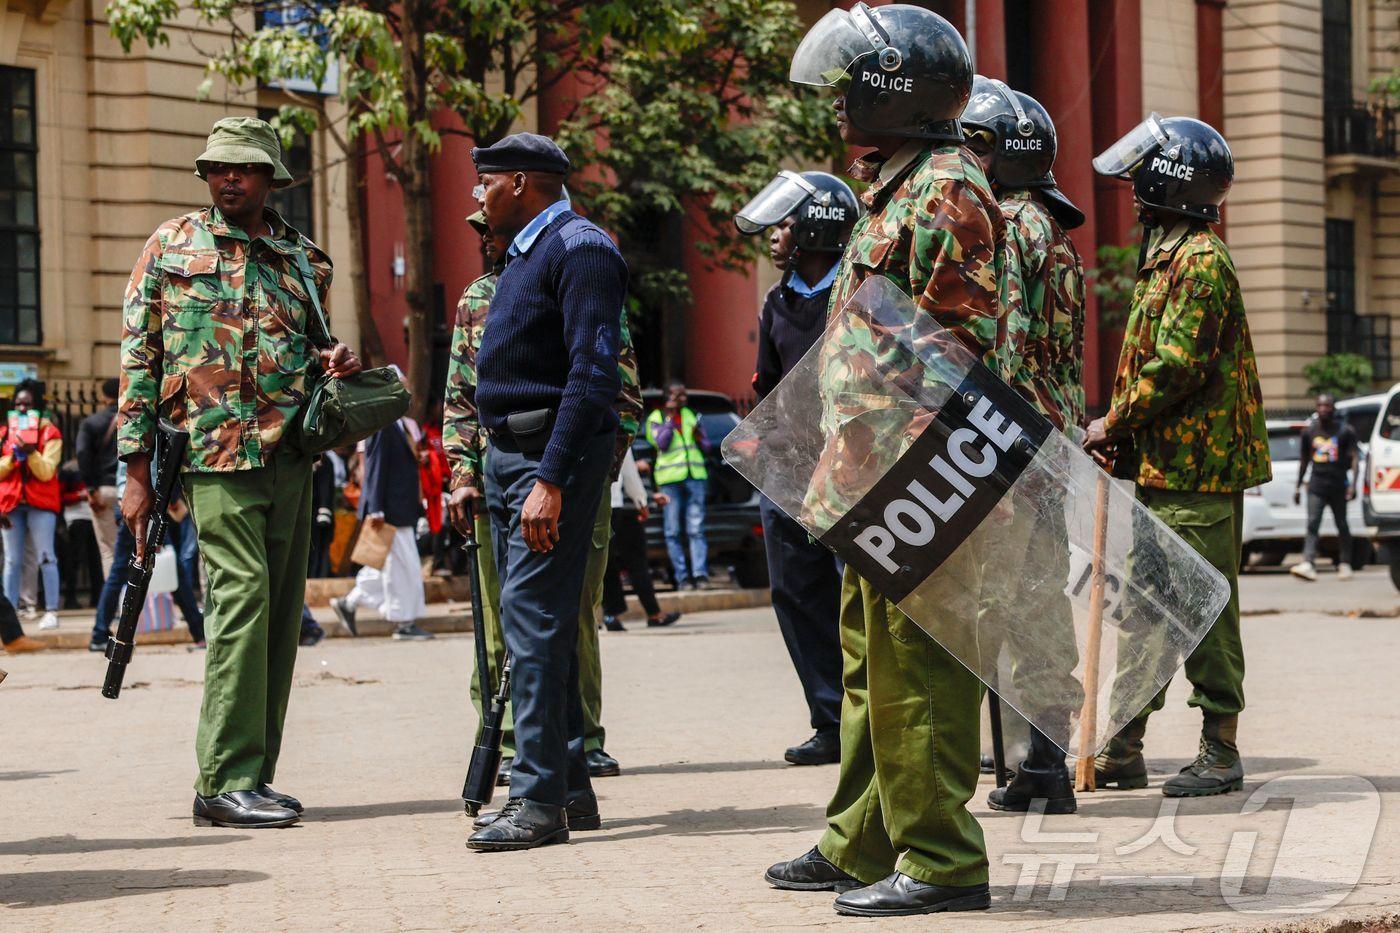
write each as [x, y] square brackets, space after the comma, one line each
[452, 616]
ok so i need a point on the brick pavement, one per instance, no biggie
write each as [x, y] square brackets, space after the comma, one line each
[96, 831]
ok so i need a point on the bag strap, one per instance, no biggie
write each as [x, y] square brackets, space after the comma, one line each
[304, 267]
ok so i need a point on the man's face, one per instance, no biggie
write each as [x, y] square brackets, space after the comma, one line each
[498, 198]
[1326, 407]
[239, 190]
[24, 401]
[983, 144]
[780, 243]
[494, 246]
[675, 396]
[851, 135]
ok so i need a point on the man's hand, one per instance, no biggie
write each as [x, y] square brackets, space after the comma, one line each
[539, 518]
[340, 361]
[138, 500]
[460, 506]
[375, 522]
[643, 514]
[1298, 495]
[661, 499]
[1095, 437]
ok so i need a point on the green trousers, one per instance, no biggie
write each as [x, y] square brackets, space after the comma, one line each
[590, 673]
[254, 532]
[1212, 523]
[910, 744]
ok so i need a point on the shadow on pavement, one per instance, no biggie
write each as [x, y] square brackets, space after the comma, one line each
[371, 811]
[49, 888]
[724, 821]
[1144, 895]
[708, 767]
[32, 775]
[72, 845]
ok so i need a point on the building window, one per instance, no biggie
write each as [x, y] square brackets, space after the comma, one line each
[1341, 267]
[1348, 331]
[295, 202]
[19, 212]
[1336, 53]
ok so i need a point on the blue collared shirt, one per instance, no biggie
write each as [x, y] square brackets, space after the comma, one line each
[526, 237]
[795, 282]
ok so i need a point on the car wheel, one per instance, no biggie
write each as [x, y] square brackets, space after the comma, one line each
[1361, 553]
[1395, 566]
[1271, 557]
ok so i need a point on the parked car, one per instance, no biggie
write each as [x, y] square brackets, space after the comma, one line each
[1274, 527]
[733, 526]
[1380, 492]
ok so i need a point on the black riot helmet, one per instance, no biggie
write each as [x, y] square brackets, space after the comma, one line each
[909, 70]
[1022, 135]
[1176, 164]
[823, 208]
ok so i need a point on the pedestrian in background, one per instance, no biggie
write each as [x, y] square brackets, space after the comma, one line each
[30, 450]
[96, 450]
[628, 551]
[391, 497]
[1329, 447]
[679, 471]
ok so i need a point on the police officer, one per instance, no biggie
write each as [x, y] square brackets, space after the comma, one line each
[1043, 295]
[1186, 420]
[214, 339]
[810, 216]
[547, 377]
[898, 828]
[464, 446]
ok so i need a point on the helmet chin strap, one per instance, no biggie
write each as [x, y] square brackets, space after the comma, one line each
[1149, 222]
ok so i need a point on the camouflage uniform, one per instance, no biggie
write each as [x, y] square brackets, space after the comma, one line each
[1186, 402]
[215, 340]
[461, 438]
[910, 720]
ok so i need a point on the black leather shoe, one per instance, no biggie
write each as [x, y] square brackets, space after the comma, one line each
[899, 896]
[601, 764]
[244, 809]
[824, 748]
[503, 775]
[98, 643]
[663, 620]
[987, 764]
[582, 815]
[1042, 776]
[282, 800]
[522, 824]
[613, 624]
[809, 872]
[346, 614]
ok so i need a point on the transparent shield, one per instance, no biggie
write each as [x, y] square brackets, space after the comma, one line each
[1121, 157]
[827, 51]
[778, 199]
[994, 533]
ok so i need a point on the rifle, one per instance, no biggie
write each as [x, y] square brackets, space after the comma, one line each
[480, 783]
[170, 456]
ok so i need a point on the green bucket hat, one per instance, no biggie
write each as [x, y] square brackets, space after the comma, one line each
[240, 140]
[478, 222]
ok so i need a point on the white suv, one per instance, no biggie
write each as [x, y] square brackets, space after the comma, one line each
[1274, 527]
[1381, 490]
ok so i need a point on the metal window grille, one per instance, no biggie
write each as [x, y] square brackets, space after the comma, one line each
[19, 216]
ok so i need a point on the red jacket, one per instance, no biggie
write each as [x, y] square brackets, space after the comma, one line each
[33, 482]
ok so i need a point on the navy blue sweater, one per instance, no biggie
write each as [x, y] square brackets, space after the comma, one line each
[553, 339]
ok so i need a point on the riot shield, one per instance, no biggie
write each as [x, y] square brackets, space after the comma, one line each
[996, 534]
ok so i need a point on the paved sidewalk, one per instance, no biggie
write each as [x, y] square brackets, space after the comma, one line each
[96, 832]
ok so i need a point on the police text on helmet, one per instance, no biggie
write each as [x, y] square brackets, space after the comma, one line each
[1012, 142]
[889, 82]
[943, 488]
[826, 212]
[1174, 169]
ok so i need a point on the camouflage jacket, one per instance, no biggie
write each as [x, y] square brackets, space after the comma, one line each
[933, 228]
[1044, 301]
[461, 432]
[214, 339]
[1187, 391]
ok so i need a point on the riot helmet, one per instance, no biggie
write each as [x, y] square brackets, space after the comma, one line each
[1066, 213]
[823, 208]
[908, 69]
[1176, 164]
[1019, 132]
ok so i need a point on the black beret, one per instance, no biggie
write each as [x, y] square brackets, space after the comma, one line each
[522, 152]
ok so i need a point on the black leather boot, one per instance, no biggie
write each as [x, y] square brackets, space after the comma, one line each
[582, 815]
[1042, 776]
[899, 896]
[823, 748]
[810, 872]
[1217, 768]
[522, 824]
[282, 800]
[1121, 764]
[242, 809]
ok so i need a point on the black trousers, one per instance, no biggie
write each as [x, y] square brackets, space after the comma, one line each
[9, 621]
[807, 600]
[628, 551]
[1337, 502]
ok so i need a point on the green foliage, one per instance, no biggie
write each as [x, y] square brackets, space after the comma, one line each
[1339, 374]
[693, 128]
[1113, 280]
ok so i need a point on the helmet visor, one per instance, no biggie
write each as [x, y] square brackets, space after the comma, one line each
[1141, 141]
[776, 202]
[832, 45]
